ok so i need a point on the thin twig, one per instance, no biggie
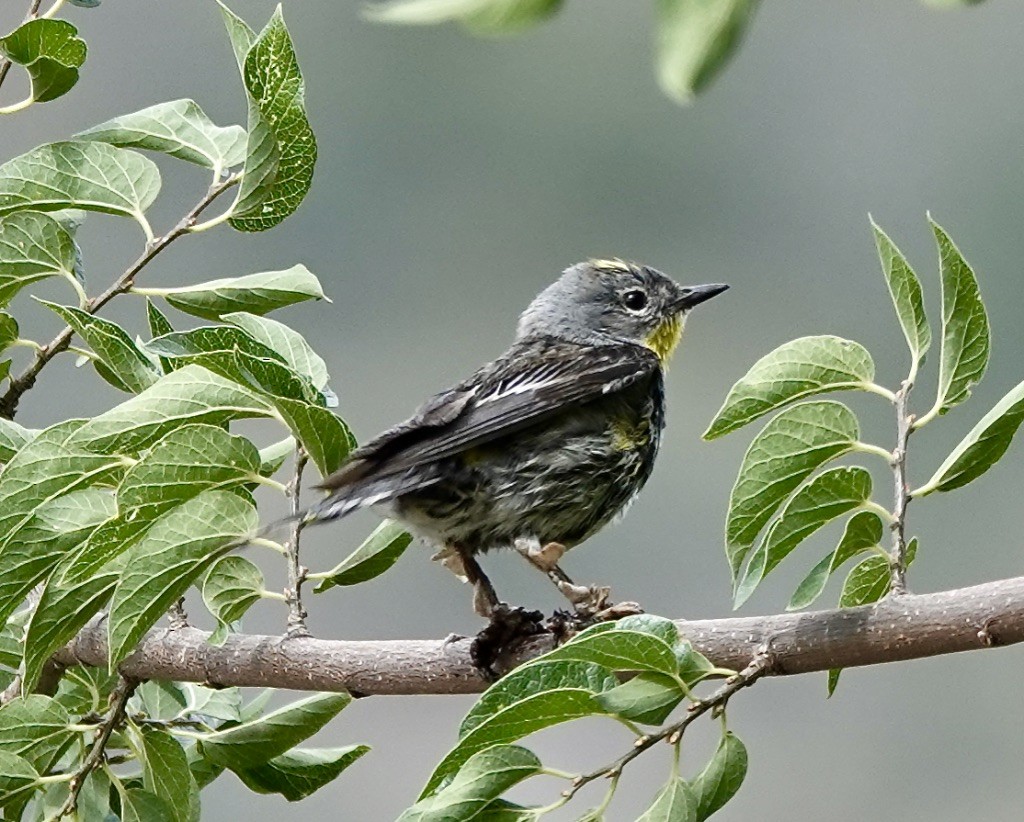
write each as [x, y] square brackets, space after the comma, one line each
[758, 667]
[296, 571]
[901, 492]
[118, 700]
[27, 378]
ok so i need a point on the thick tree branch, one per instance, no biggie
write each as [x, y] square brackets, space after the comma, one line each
[906, 627]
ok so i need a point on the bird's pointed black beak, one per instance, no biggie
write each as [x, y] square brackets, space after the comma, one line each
[696, 294]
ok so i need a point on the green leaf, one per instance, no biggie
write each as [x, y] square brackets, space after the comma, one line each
[532, 697]
[905, 290]
[788, 449]
[289, 344]
[797, 369]
[13, 437]
[965, 330]
[138, 805]
[695, 40]
[983, 446]
[178, 128]
[16, 774]
[51, 52]
[255, 742]
[33, 246]
[215, 703]
[648, 698]
[231, 587]
[8, 331]
[35, 727]
[676, 802]
[480, 16]
[484, 777]
[378, 552]
[252, 293]
[619, 650]
[46, 469]
[281, 149]
[165, 771]
[863, 531]
[189, 395]
[158, 322]
[90, 176]
[172, 553]
[301, 772]
[868, 581]
[829, 495]
[159, 700]
[127, 367]
[273, 456]
[719, 781]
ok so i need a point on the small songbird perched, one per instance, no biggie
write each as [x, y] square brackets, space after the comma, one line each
[542, 447]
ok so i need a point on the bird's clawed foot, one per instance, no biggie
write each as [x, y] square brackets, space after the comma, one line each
[590, 603]
[508, 627]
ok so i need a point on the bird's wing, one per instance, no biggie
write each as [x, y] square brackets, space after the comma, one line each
[495, 404]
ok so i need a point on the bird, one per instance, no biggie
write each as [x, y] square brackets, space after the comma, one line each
[542, 447]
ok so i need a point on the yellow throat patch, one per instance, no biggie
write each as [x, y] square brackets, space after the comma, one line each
[665, 338]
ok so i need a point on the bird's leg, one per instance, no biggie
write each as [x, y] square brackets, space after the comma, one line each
[485, 598]
[590, 602]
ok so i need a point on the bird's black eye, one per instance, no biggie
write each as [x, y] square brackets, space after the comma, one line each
[634, 300]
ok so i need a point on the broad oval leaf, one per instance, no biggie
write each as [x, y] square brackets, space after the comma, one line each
[172, 553]
[482, 778]
[620, 650]
[788, 449]
[378, 552]
[676, 802]
[281, 149]
[965, 329]
[797, 369]
[252, 293]
[868, 581]
[179, 128]
[16, 774]
[905, 290]
[982, 447]
[51, 52]
[696, 38]
[288, 343]
[829, 495]
[648, 698]
[165, 770]
[864, 531]
[36, 728]
[260, 740]
[230, 588]
[118, 359]
[479, 16]
[90, 176]
[722, 777]
[300, 772]
[139, 805]
[33, 246]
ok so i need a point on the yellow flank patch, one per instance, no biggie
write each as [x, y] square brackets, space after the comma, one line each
[664, 339]
[629, 437]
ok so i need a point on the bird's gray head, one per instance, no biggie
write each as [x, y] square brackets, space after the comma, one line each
[613, 301]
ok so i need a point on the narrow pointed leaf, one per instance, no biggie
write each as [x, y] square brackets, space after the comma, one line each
[965, 328]
[90, 176]
[140, 805]
[797, 369]
[480, 16]
[33, 246]
[52, 53]
[983, 446]
[783, 455]
[300, 772]
[252, 293]
[173, 552]
[281, 148]
[378, 552]
[127, 367]
[260, 740]
[482, 778]
[696, 38]
[178, 128]
[676, 802]
[829, 495]
[719, 781]
[905, 290]
[165, 771]
[864, 530]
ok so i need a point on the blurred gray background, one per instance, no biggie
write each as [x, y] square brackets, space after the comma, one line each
[457, 176]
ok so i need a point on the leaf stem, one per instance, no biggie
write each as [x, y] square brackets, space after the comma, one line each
[13, 108]
[50, 12]
[118, 701]
[27, 378]
[898, 556]
[296, 572]
[877, 450]
[882, 391]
